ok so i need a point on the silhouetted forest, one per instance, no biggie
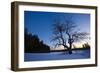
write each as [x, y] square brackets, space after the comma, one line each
[33, 44]
[86, 45]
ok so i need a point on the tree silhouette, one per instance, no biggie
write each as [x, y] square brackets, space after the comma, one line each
[33, 44]
[86, 46]
[65, 33]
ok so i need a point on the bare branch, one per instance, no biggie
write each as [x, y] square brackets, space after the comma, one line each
[80, 36]
[65, 33]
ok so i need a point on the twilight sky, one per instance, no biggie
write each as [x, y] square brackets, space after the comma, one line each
[40, 23]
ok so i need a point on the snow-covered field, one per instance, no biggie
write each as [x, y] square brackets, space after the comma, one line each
[78, 54]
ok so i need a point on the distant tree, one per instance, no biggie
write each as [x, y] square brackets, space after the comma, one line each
[33, 43]
[86, 45]
[74, 46]
[66, 33]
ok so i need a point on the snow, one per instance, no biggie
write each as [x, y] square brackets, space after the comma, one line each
[78, 54]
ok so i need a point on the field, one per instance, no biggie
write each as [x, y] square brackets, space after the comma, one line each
[61, 55]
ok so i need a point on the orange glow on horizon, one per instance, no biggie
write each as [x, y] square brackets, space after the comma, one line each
[74, 45]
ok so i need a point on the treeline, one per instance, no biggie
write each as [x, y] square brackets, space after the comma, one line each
[86, 45]
[33, 44]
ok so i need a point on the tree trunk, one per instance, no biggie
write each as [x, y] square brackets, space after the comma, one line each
[70, 46]
[70, 49]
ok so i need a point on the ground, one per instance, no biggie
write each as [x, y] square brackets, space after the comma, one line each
[77, 54]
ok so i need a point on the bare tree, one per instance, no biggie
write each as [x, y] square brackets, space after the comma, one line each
[65, 33]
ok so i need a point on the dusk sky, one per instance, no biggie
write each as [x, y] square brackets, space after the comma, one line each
[40, 23]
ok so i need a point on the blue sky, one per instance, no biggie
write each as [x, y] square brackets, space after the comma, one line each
[40, 23]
